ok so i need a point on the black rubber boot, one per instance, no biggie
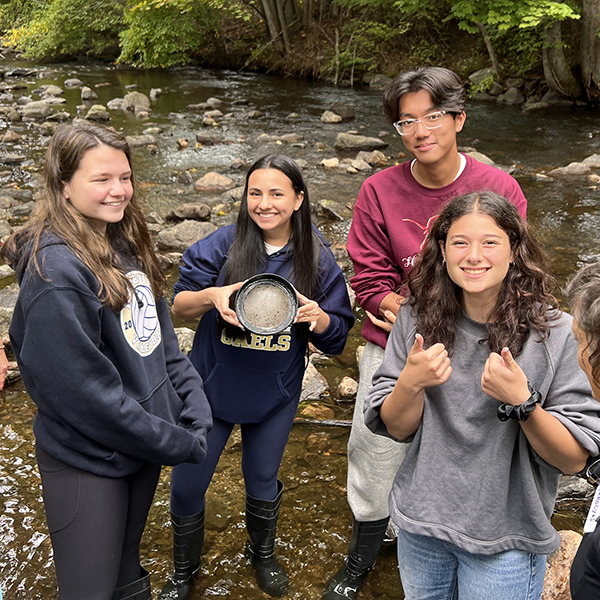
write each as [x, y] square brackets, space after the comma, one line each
[188, 538]
[365, 543]
[261, 520]
[136, 590]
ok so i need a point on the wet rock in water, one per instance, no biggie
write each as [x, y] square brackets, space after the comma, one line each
[292, 138]
[535, 106]
[233, 196]
[379, 81]
[571, 487]
[5, 270]
[47, 128]
[342, 109]
[59, 117]
[209, 139]
[88, 94]
[254, 114]
[574, 168]
[214, 102]
[185, 337]
[314, 385]
[330, 163]
[73, 82]
[98, 112]
[317, 411]
[115, 104]
[135, 141]
[293, 117]
[133, 100]
[5, 230]
[349, 141]
[496, 89]
[11, 136]
[238, 164]
[22, 195]
[154, 218]
[347, 388]
[303, 164]
[183, 235]
[197, 107]
[182, 143]
[593, 178]
[318, 442]
[374, 158]
[52, 90]
[214, 182]
[555, 99]
[330, 117]
[155, 93]
[335, 211]
[482, 158]
[209, 122]
[213, 114]
[22, 210]
[36, 110]
[11, 159]
[558, 568]
[478, 77]
[186, 178]
[361, 165]
[513, 97]
[592, 161]
[195, 211]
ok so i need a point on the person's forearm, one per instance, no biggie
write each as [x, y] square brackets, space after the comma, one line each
[402, 410]
[191, 305]
[554, 442]
[391, 302]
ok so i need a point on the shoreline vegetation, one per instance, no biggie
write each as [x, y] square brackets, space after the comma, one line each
[550, 46]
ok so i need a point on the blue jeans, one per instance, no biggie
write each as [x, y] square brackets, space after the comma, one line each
[432, 569]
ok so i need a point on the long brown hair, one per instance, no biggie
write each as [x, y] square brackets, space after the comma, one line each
[55, 214]
[524, 303]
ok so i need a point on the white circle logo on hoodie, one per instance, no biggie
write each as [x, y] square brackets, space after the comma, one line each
[139, 318]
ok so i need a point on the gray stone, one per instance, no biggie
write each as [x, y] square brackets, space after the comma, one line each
[349, 141]
[11, 159]
[330, 163]
[135, 99]
[496, 89]
[186, 178]
[478, 77]
[592, 161]
[195, 211]
[254, 114]
[482, 158]
[558, 568]
[512, 97]
[98, 112]
[291, 138]
[514, 82]
[535, 106]
[183, 235]
[47, 128]
[115, 104]
[574, 168]
[155, 93]
[214, 182]
[36, 110]
[87, 93]
[335, 211]
[59, 117]
[375, 158]
[52, 90]
[73, 83]
[213, 114]
[361, 165]
[344, 110]
[5, 230]
[234, 195]
[154, 218]
[11, 136]
[379, 81]
[185, 337]
[314, 385]
[22, 210]
[330, 117]
[140, 140]
[214, 102]
[22, 195]
[209, 139]
[197, 107]
[347, 388]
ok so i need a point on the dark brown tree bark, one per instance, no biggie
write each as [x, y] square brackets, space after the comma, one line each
[590, 49]
[557, 72]
[272, 20]
[490, 48]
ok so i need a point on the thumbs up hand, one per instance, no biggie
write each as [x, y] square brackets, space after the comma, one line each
[503, 379]
[426, 368]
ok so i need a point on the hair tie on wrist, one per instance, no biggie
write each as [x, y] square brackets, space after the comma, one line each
[522, 411]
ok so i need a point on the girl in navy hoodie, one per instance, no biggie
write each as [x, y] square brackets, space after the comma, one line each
[253, 380]
[98, 354]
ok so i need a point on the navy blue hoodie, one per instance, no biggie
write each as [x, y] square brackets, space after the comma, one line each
[248, 379]
[113, 390]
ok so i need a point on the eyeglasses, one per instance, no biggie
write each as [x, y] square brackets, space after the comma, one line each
[431, 121]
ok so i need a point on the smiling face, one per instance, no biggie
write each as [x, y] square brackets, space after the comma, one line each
[101, 187]
[271, 203]
[433, 148]
[478, 255]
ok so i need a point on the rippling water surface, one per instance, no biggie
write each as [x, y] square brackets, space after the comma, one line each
[315, 520]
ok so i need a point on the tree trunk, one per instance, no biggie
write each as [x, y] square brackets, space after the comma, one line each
[307, 13]
[272, 21]
[490, 48]
[557, 72]
[283, 23]
[590, 49]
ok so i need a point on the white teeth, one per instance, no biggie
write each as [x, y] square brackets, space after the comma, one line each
[475, 271]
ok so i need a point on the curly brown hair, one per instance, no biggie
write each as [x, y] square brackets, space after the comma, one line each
[525, 302]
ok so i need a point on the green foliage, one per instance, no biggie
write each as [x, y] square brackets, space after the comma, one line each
[163, 33]
[18, 12]
[70, 27]
[483, 87]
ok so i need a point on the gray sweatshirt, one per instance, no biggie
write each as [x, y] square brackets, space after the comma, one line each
[469, 478]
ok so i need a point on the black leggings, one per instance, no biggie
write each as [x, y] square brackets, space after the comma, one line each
[96, 524]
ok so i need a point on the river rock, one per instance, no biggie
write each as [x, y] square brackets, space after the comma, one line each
[195, 211]
[344, 110]
[513, 97]
[496, 89]
[314, 385]
[22, 195]
[253, 114]
[293, 117]
[361, 165]
[214, 182]
[136, 141]
[59, 117]
[22, 210]
[183, 235]
[5, 230]
[88, 94]
[197, 107]
[214, 102]
[374, 159]
[478, 77]
[318, 442]
[555, 99]
[11, 159]
[47, 128]
[349, 141]
[98, 112]
[135, 99]
[347, 388]
[209, 139]
[571, 487]
[233, 196]
[330, 163]
[185, 337]
[115, 104]
[574, 168]
[36, 110]
[154, 218]
[11, 136]
[558, 567]
[335, 211]
[52, 90]
[534, 107]
[317, 411]
[292, 138]
[155, 93]
[73, 82]
[213, 114]
[379, 81]
[482, 158]
[330, 117]
[592, 161]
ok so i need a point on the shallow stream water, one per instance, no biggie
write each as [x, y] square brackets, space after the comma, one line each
[315, 521]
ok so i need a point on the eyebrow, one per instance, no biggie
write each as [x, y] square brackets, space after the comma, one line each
[411, 116]
[485, 235]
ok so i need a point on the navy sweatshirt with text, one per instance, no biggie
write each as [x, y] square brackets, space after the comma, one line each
[248, 379]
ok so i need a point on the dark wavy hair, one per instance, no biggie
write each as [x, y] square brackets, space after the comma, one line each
[444, 86]
[583, 295]
[525, 301]
[55, 214]
[247, 255]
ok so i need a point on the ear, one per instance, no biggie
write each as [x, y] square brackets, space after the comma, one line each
[459, 121]
[299, 200]
[443, 248]
[66, 190]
